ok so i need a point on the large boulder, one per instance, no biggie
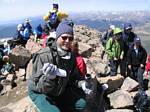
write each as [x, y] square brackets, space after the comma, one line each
[114, 82]
[32, 46]
[120, 99]
[20, 56]
[129, 84]
[85, 50]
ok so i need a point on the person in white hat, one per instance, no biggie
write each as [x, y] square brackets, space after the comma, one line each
[28, 26]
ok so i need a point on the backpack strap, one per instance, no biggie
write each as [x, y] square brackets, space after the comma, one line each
[54, 54]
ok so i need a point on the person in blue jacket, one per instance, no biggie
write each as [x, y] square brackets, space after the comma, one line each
[38, 32]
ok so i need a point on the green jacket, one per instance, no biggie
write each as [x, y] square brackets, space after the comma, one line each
[114, 48]
[41, 83]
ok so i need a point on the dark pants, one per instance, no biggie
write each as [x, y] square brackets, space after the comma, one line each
[123, 67]
[137, 74]
[70, 101]
[113, 67]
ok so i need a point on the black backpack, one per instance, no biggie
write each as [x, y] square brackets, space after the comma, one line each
[141, 102]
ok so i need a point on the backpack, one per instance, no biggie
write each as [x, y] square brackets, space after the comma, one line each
[105, 37]
[53, 20]
[141, 101]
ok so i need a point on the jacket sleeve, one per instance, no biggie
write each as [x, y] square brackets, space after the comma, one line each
[43, 83]
[109, 48]
[144, 57]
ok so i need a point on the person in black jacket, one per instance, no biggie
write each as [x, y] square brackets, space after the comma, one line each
[128, 37]
[136, 58]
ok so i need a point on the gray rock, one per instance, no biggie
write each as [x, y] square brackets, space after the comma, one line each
[32, 46]
[129, 84]
[85, 50]
[120, 99]
[20, 56]
[114, 82]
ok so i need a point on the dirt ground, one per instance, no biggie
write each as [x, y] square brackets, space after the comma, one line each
[14, 94]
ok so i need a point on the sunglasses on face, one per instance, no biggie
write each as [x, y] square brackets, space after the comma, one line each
[67, 37]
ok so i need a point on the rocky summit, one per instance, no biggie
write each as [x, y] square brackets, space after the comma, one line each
[119, 94]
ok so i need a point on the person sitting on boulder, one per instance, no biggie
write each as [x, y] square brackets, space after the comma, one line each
[7, 67]
[38, 32]
[53, 85]
[20, 37]
[115, 51]
[136, 58]
[27, 25]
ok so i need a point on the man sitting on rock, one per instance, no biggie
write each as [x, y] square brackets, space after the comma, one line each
[53, 86]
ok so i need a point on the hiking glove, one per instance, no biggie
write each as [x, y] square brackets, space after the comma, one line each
[53, 71]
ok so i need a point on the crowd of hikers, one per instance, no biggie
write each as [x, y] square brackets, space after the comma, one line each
[124, 48]
[59, 77]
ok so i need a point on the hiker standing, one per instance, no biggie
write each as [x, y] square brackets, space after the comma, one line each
[115, 51]
[53, 84]
[136, 58]
[128, 37]
[105, 36]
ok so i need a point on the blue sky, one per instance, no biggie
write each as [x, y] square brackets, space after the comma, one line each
[16, 9]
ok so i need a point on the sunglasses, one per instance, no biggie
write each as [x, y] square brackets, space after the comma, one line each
[67, 37]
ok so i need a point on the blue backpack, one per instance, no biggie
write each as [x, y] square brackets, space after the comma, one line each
[53, 20]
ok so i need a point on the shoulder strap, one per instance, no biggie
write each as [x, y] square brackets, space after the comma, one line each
[54, 55]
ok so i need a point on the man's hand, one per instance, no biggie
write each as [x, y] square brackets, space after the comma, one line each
[141, 65]
[52, 69]
[115, 59]
[121, 57]
[129, 66]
